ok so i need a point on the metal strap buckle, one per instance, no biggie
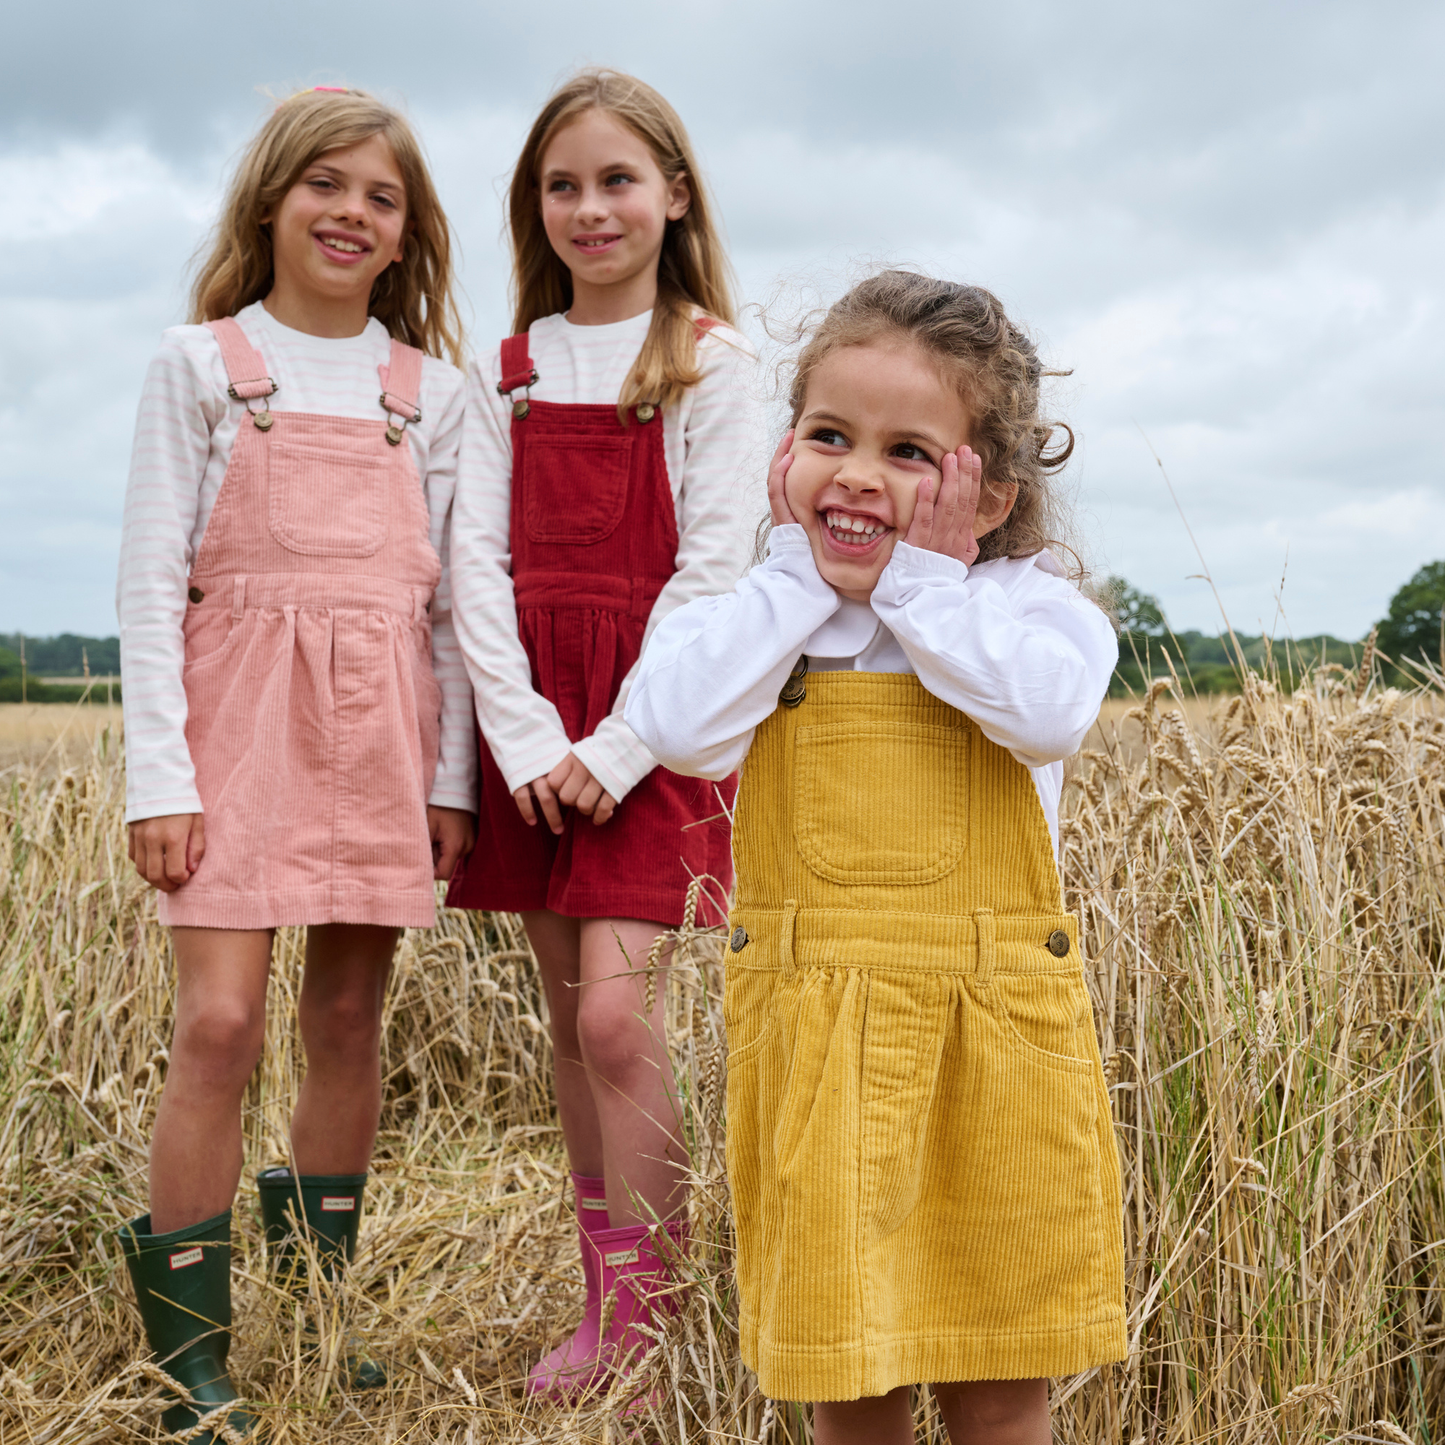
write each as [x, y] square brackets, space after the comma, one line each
[231, 390]
[530, 381]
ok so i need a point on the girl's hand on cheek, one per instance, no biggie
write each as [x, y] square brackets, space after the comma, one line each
[945, 524]
[782, 513]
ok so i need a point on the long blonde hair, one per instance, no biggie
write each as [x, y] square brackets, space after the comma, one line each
[412, 298]
[693, 275]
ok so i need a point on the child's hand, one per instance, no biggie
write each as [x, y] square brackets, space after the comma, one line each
[777, 471]
[166, 851]
[453, 836]
[946, 525]
[568, 785]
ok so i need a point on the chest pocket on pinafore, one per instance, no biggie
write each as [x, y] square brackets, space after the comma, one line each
[881, 802]
[574, 489]
[329, 501]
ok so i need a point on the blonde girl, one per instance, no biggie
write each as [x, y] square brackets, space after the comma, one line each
[605, 442]
[295, 756]
[920, 1149]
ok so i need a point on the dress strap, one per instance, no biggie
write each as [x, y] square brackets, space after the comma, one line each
[245, 370]
[701, 325]
[401, 381]
[517, 368]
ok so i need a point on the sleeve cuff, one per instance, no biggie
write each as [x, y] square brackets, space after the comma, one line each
[618, 775]
[912, 562]
[138, 812]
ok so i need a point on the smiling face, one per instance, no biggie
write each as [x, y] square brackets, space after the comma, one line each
[876, 420]
[337, 229]
[605, 207]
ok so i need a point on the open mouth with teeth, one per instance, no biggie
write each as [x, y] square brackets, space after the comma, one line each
[853, 531]
[342, 245]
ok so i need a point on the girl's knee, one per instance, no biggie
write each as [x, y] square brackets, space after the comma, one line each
[613, 1033]
[347, 1021]
[223, 1038]
[994, 1405]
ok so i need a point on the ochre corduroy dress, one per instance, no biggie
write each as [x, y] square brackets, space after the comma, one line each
[920, 1146]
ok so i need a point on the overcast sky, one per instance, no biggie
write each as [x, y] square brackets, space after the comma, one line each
[1228, 219]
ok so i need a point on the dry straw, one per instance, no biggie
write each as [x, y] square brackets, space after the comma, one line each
[1261, 893]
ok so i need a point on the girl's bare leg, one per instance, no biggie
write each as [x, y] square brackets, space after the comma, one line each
[633, 1090]
[995, 1412]
[333, 1128]
[557, 943]
[882, 1420]
[220, 1024]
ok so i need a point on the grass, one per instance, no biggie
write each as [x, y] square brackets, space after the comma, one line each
[1262, 889]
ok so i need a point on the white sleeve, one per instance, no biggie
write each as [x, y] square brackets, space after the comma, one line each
[714, 668]
[722, 424]
[523, 729]
[456, 775]
[168, 463]
[1030, 665]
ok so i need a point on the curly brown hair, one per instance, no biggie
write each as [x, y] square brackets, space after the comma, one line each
[997, 370]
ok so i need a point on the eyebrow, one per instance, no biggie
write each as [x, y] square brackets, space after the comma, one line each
[610, 166]
[919, 432]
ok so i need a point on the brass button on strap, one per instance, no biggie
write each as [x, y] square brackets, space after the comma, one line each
[520, 408]
[196, 595]
[1058, 943]
[739, 940]
[795, 689]
[646, 411]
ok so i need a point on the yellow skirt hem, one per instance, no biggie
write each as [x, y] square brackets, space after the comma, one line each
[858, 1371]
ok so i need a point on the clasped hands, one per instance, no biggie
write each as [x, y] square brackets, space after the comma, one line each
[569, 785]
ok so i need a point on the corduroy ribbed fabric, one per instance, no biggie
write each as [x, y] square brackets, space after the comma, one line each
[920, 1146]
[593, 543]
[312, 708]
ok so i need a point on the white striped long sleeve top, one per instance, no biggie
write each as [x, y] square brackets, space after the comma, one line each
[709, 442]
[185, 430]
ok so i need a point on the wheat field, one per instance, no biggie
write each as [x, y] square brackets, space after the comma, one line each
[1261, 882]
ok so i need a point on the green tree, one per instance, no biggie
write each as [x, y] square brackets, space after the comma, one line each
[1412, 629]
[1137, 613]
[9, 663]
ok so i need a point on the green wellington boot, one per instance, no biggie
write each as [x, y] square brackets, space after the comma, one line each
[329, 1206]
[182, 1284]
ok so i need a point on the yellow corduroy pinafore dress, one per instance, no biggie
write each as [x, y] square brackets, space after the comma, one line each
[920, 1147]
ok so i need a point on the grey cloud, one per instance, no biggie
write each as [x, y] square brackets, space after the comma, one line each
[1227, 218]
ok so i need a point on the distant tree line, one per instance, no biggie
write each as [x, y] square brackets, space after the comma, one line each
[1409, 642]
[1409, 639]
[25, 661]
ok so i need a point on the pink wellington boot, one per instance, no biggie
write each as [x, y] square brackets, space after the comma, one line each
[569, 1368]
[639, 1287]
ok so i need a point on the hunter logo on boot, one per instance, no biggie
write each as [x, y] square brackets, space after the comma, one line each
[337, 1204]
[620, 1256]
[593, 1204]
[187, 1256]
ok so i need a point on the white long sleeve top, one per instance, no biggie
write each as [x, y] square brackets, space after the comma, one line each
[1011, 643]
[708, 441]
[185, 430]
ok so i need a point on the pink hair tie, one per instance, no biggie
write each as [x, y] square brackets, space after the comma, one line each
[332, 89]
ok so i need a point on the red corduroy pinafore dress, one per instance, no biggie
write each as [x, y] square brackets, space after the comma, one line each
[594, 540]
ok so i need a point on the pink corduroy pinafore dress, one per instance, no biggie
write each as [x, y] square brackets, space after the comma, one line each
[313, 711]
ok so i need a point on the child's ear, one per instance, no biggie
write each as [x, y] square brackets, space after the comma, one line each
[994, 505]
[679, 197]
